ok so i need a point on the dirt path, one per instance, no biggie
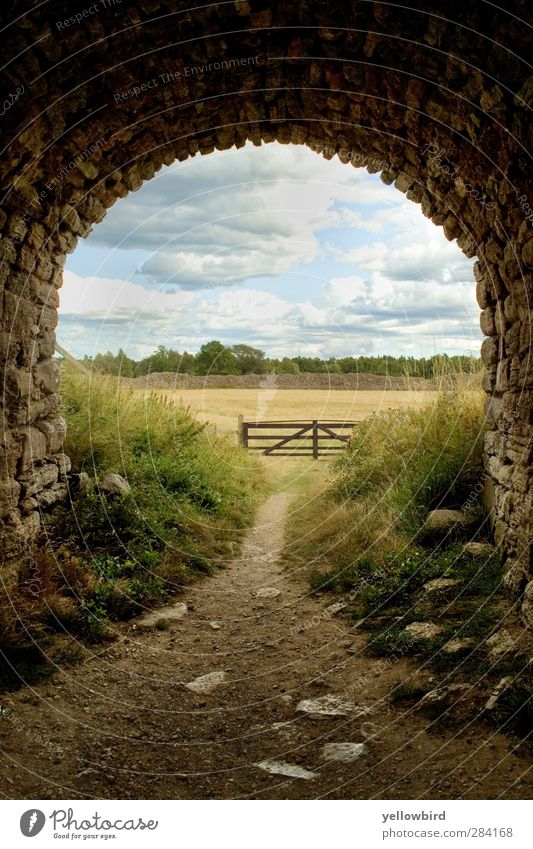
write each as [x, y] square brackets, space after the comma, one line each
[124, 725]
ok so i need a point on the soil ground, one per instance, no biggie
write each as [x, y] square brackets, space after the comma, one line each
[122, 724]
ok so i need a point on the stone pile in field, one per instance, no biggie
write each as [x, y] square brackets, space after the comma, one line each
[380, 382]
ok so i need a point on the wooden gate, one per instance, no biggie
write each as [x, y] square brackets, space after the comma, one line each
[311, 438]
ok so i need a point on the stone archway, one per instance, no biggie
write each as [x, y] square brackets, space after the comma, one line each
[434, 98]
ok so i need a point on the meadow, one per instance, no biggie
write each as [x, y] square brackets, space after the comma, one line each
[221, 407]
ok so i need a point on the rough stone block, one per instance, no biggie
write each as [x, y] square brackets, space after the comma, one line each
[488, 381]
[512, 339]
[18, 382]
[489, 351]
[43, 292]
[500, 531]
[64, 465]
[31, 525]
[403, 182]
[41, 408]
[28, 506]
[487, 322]
[510, 309]
[34, 447]
[38, 479]
[46, 346]
[46, 375]
[70, 218]
[9, 496]
[527, 605]
[502, 472]
[514, 577]
[493, 409]
[502, 376]
[10, 452]
[55, 431]
[527, 253]
[51, 496]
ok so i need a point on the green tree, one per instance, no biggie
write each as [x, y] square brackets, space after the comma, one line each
[187, 363]
[214, 358]
[249, 360]
[288, 366]
[333, 366]
[109, 363]
[311, 365]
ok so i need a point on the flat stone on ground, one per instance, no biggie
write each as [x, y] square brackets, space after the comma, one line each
[459, 644]
[441, 584]
[423, 630]
[444, 523]
[443, 519]
[336, 607]
[267, 592]
[115, 485]
[207, 683]
[479, 549]
[500, 687]
[500, 644]
[343, 752]
[329, 705]
[283, 768]
[170, 613]
[443, 696]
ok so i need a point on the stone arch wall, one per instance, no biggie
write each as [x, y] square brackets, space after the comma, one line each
[433, 96]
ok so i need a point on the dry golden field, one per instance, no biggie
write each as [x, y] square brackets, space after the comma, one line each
[221, 407]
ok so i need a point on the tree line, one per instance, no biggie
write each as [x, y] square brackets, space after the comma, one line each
[216, 358]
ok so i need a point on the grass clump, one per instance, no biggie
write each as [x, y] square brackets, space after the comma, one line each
[190, 489]
[399, 465]
[414, 460]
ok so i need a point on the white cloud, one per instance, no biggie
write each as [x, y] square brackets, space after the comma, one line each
[245, 308]
[354, 316]
[216, 224]
[415, 250]
[343, 290]
[101, 298]
[239, 214]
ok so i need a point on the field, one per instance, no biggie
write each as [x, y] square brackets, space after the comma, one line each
[221, 407]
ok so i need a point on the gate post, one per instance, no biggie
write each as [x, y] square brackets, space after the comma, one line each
[240, 430]
[315, 439]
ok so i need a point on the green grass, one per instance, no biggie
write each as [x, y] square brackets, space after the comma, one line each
[400, 464]
[190, 488]
[161, 448]
[415, 460]
[107, 558]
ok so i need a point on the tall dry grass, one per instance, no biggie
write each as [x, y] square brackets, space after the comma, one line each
[400, 464]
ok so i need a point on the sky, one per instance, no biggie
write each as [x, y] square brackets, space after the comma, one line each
[273, 246]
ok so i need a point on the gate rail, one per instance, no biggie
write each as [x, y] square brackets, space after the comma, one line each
[311, 438]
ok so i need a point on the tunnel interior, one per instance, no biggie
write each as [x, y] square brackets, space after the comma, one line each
[429, 97]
